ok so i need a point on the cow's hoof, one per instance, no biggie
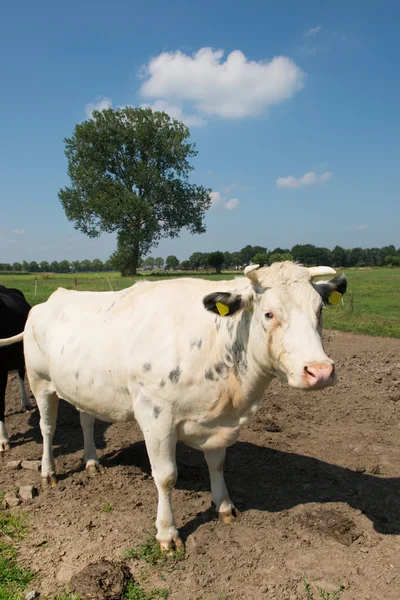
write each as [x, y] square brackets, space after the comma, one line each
[94, 469]
[229, 517]
[49, 481]
[175, 545]
[5, 446]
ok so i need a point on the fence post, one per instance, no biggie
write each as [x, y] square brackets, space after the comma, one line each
[109, 283]
[117, 286]
[35, 285]
[351, 303]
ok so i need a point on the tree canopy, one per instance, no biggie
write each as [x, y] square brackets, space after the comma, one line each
[129, 172]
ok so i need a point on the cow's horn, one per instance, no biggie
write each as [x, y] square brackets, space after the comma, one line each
[316, 271]
[250, 272]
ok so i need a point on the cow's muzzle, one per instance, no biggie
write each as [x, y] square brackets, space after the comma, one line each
[319, 375]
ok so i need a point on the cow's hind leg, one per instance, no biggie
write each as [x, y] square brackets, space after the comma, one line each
[4, 440]
[47, 402]
[224, 507]
[25, 402]
[93, 465]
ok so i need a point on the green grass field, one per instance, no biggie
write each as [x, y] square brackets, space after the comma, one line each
[376, 293]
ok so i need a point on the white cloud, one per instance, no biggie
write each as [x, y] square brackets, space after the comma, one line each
[360, 227]
[217, 199]
[310, 178]
[325, 176]
[234, 88]
[176, 112]
[313, 30]
[102, 103]
[232, 204]
[19, 231]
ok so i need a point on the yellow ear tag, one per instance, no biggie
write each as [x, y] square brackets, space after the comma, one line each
[223, 309]
[334, 297]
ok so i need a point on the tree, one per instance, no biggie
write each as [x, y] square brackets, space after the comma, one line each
[279, 257]
[227, 260]
[185, 265]
[159, 262]
[33, 267]
[129, 172]
[25, 265]
[280, 251]
[55, 267]
[44, 266]
[97, 265]
[17, 266]
[216, 260]
[172, 262]
[76, 266]
[108, 265]
[246, 255]
[198, 260]
[260, 258]
[149, 262]
[64, 266]
[339, 257]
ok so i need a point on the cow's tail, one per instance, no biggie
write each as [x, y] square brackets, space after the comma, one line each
[12, 340]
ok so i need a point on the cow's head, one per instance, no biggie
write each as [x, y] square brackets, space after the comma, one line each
[285, 329]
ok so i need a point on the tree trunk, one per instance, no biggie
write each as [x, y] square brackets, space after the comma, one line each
[135, 258]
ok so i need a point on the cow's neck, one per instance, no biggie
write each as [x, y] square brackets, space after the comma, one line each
[243, 381]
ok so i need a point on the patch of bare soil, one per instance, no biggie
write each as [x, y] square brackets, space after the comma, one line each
[316, 477]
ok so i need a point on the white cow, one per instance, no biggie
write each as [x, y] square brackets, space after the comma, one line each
[189, 359]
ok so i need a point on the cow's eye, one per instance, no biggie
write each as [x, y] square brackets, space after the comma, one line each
[269, 315]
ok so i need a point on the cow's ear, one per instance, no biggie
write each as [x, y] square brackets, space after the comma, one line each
[226, 304]
[332, 291]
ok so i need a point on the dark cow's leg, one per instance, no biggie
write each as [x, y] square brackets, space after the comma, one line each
[4, 441]
[25, 402]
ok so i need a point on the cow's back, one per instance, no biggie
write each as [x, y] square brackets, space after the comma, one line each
[102, 349]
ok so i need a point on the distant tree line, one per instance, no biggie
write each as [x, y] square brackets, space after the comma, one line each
[64, 266]
[306, 254]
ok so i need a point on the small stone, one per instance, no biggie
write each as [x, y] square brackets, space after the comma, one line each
[26, 492]
[31, 465]
[10, 500]
[13, 464]
[32, 595]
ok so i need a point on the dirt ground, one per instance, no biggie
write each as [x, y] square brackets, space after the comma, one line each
[316, 477]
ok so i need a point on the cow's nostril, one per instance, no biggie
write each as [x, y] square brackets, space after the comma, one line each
[308, 372]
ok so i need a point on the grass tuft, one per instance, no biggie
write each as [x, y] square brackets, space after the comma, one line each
[14, 578]
[150, 552]
[135, 592]
[323, 593]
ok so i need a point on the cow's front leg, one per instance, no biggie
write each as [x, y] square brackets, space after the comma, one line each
[227, 513]
[93, 465]
[161, 447]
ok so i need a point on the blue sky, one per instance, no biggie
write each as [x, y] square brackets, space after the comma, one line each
[298, 149]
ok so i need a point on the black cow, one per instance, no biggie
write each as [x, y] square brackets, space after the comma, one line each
[14, 311]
